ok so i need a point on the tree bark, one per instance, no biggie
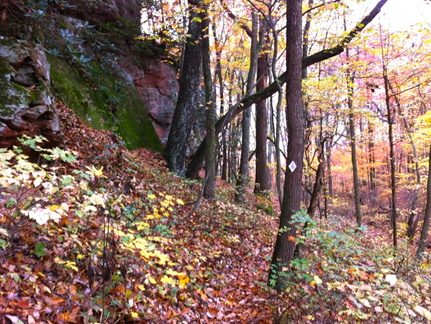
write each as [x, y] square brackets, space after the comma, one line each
[391, 158]
[318, 184]
[263, 182]
[350, 81]
[176, 146]
[247, 101]
[427, 218]
[285, 243]
[210, 157]
[246, 117]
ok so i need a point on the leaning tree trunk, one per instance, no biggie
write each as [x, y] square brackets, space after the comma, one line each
[285, 243]
[187, 103]
[427, 218]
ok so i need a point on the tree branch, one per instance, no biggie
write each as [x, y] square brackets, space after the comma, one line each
[247, 101]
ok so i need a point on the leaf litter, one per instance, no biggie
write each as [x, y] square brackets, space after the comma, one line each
[124, 248]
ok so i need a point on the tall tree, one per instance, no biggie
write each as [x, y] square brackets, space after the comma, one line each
[391, 156]
[210, 158]
[247, 101]
[350, 80]
[263, 180]
[285, 243]
[188, 100]
[246, 116]
[427, 218]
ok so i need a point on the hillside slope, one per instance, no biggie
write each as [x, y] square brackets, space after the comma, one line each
[106, 235]
[114, 241]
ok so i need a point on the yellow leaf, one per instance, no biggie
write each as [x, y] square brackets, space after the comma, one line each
[180, 202]
[167, 280]
[59, 261]
[152, 280]
[96, 172]
[53, 207]
[184, 281]
[317, 281]
[71, 265]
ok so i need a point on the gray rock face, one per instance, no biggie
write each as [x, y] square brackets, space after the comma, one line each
[125, 13]
[97, 69]
[26, 105]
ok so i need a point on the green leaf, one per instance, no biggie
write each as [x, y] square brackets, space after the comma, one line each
[3, 244]
[39, 249]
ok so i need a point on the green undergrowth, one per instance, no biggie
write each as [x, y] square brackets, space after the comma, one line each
[352, 275]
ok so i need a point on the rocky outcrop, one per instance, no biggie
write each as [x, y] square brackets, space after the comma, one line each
[157, 85]
[122, 13]
[83, 53]
[26, 103]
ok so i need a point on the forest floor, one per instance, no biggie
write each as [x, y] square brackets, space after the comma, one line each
[110, 238]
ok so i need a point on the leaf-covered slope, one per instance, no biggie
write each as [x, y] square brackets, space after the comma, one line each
[114, 241]
[109, 237]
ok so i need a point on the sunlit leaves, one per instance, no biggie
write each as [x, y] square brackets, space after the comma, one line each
[43, 215]
[425, 313]
[391, 279]
[94, 171]
[67, 264]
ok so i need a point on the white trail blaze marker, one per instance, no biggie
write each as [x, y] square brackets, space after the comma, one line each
[292, 166]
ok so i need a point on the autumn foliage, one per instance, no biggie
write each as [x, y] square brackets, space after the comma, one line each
[101, 234]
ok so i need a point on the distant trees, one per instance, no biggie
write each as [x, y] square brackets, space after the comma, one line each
[349, 101]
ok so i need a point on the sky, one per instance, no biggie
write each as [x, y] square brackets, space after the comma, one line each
[401, 14]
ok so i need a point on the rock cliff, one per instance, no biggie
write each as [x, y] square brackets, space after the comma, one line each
[85, 54]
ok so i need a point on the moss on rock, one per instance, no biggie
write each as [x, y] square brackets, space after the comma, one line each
[104, 99]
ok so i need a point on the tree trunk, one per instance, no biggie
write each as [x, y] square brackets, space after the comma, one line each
[328, 166]
[371, 161]
[391, 158]
[219, 78]
[350, 81]
[263, 180]
[246, 116]
[285, 243]
[318, 184]
[427, 218]
[210, 157]
[277, 127]
[176, 146]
